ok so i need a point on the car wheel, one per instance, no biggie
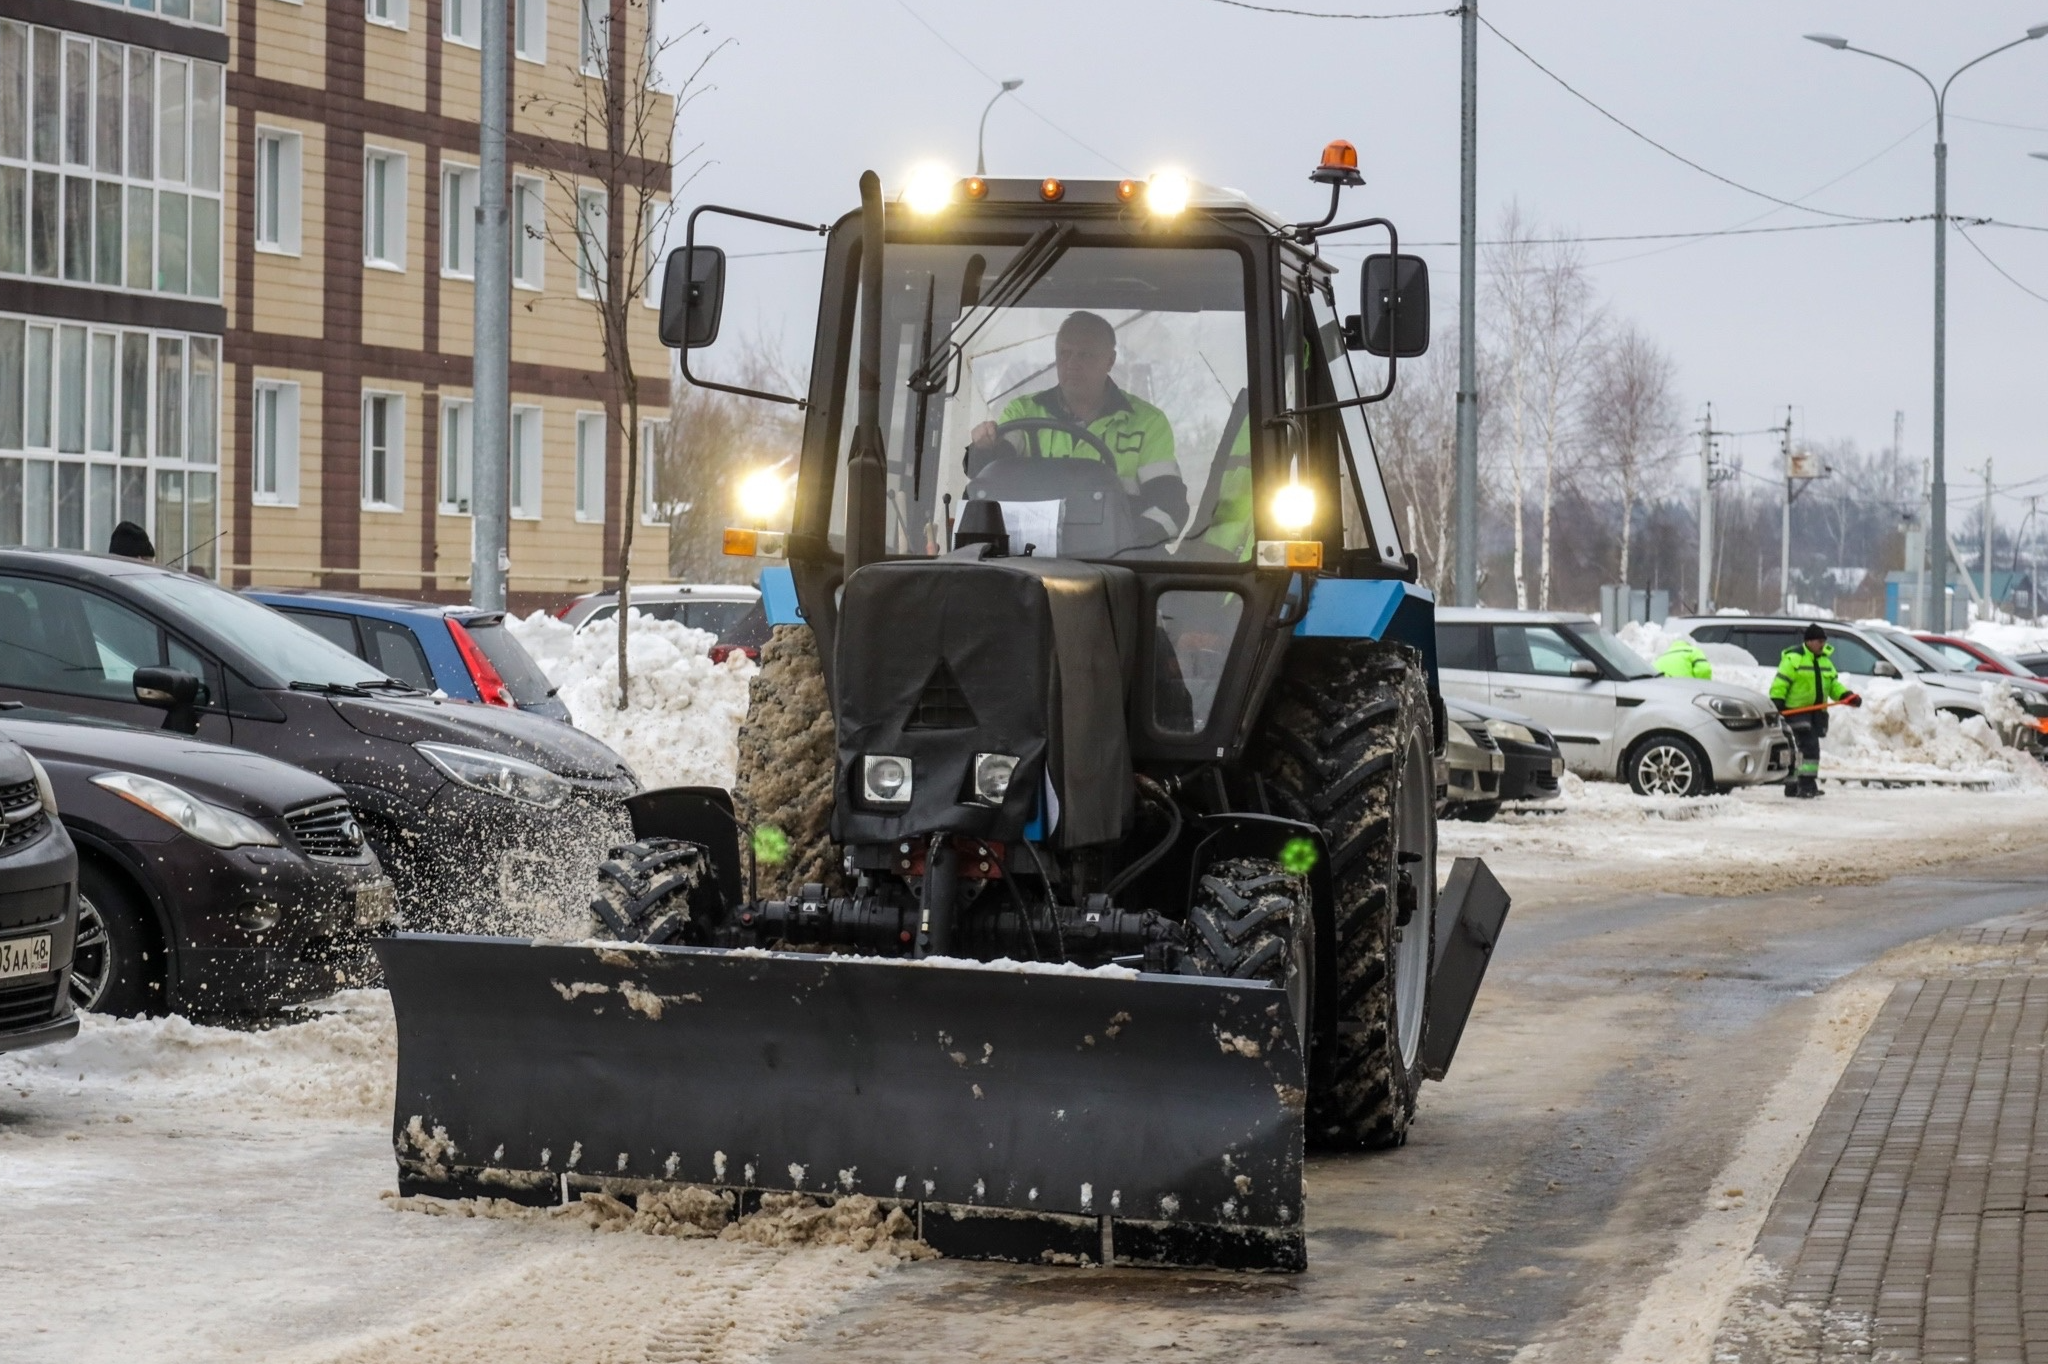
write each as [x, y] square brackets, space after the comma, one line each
[1669, 765]
[115, 965]
[1476, 812]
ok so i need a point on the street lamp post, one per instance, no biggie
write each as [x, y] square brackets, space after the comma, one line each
[1937, 589]
[981, 134]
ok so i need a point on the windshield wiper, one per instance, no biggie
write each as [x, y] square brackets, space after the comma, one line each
[393, 684]
[330, 688]
[1018, 278]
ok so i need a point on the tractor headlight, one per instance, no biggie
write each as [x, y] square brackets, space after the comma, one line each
[1294, 506]
[1730, 711]
[1166, 194]
[1512, 732]
[992, 773]
[762, 495]
[885, 780]
[929, 190]
[209, 823]
[497, 774]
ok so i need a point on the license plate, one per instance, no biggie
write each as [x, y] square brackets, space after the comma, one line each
[1557, 767]
[375, 903]
[24, 956]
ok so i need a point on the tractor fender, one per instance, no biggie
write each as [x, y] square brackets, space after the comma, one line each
[695, 814]
[1379, 608]
[1274, 838]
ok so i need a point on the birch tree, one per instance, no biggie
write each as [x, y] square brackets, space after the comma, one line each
[1509, 309]
[1632, 421]
[1563, 332]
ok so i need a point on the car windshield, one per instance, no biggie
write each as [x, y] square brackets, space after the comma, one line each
[1611, 651]
[1926, 659]
[2005, 661]
[1103, 408]
[280, 644]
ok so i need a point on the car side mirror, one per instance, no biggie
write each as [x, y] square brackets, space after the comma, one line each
[1585, 667]
[1884, 669]
[1394, 306]
[692, 296]
[173, 691]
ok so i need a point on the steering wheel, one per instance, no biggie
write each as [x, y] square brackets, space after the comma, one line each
[1074, 429]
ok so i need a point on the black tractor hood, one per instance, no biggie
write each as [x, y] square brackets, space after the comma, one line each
[561, 749]
[943, 659]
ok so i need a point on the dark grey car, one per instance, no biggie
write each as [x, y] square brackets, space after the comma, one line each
[38, 907]
[458, 800]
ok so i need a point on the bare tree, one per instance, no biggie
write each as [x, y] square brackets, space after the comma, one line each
[1510, 309]
[1564, 330]
[609, 210]
[715, 439]
[1632, 421]
[1416, 430]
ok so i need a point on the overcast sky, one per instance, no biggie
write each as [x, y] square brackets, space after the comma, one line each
[1836, 323]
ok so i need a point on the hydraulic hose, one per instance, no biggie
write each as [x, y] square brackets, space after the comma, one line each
[1159, 796]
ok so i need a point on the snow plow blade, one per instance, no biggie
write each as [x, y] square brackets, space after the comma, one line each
[1031, 1115]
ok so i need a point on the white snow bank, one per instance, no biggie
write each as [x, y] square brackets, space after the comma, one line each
[681, 725]
[2023, 637]
[339, 1062]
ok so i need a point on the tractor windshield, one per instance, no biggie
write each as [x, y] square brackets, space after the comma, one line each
[1102, 406]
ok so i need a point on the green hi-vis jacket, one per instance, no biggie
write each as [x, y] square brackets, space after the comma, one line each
[1806, 679]
[1683, 659]
[1135, 431]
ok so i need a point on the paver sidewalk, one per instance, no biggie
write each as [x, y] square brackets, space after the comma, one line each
[1914, 1225]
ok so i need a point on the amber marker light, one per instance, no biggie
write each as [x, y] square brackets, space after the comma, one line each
[1051, 190]
[974, 187]
[1127, 190]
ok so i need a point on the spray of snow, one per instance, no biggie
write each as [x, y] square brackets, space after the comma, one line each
[681, 724]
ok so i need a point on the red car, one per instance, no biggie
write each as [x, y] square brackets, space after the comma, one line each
[1969, 655]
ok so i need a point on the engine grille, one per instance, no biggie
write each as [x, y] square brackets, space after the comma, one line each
[24, 1005]
[328, 829]
[14, 801]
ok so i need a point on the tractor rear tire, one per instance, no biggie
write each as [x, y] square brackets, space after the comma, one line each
[1346, 744]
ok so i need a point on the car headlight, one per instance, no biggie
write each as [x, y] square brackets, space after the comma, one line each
[205, 821]
[497, 774]
[1463, 746]
[1730, 711]
[885, 779]
[1512, 732]
[45, 792]
[992, 773]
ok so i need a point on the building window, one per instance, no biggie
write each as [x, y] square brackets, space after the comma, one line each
[141, 139]
[460, 22]
[383, 452]
[529, 232]
[530, 30]
[390, 13]
[525, 470]
[277, 191]
[384, 209]
[595, 26]
[591, 240]
[590, 431]
[458, 220]
[276, 441]
[457, 440]
[653, 511]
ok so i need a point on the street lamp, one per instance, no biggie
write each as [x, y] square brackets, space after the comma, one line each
[1937, 588]
[981, 134]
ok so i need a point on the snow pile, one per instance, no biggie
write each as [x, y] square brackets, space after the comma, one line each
[1652, 640]
[2023, 637]
[681, 725]
[340, 1062]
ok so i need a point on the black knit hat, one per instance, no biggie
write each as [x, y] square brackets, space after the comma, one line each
[131, 541]
[1814, 632]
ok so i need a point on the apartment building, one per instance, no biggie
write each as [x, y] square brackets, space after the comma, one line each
[237, 241]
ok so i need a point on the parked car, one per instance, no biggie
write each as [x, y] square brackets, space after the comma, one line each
[732, 612]
[1472, 768]
[38, 907]
[210, 879]
[1969, 656]
[1864, 654]
[459, 651]
[1532, 763]
[1612, 715]
[452, 796]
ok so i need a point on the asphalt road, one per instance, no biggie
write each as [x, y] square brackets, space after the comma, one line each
[1620, 1050]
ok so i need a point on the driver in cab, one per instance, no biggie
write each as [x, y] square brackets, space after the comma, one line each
[1135, 432]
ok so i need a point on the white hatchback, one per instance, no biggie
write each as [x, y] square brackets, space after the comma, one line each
[1614, 717]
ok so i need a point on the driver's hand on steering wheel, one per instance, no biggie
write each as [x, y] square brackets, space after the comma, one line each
[985, 435]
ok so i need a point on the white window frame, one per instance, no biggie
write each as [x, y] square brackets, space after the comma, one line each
[651, 430]
[386, 13]
[535, 48]
[462, 22]
[459, 190]
[591, 434]
[274, 444]
[590, 255]
[392, 215]
[394, 450]
[593, 36]
[529, 190]
[279, 190]
[457, 462]
[523, 486]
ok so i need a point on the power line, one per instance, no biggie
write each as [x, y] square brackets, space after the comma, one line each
[1637, 133]
[1671, 236]
[1999, 222]
[1318, 14]
[1963, 232]
[1994, 123]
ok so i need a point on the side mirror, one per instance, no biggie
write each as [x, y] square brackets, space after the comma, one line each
[1394, 306]
[1585, 667]
[1884, 669]
[174, 691]
[692, 296]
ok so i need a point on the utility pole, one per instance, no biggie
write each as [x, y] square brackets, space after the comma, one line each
[1708, 478]
[1800, 470]
[491, 381]
[1990, 601]
[1467, 567]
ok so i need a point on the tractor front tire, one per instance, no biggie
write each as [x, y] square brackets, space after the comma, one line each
[1250, 920]
[658, 890]
[1345, 744]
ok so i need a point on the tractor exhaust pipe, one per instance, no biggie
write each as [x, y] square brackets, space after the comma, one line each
[867, 462]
